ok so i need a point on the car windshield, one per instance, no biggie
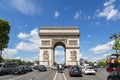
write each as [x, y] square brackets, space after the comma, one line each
[42, 66]
[90, 67]
[17, 68]
[75, 68]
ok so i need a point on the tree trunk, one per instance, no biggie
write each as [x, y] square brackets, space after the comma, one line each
[1, 59]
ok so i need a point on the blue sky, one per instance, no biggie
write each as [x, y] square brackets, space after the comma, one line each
[96, 19]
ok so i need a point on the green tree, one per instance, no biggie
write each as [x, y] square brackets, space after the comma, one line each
[102, 63]
[4, 36]
[116, 45]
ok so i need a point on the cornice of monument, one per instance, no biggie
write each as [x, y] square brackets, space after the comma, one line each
[58, 27]
[59, 34]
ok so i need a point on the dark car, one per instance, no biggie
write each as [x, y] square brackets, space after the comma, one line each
[19, 70]
[28, 68]
[7, 67]
[75, 71]
[114, 76]
[42, 68]
[36, 67]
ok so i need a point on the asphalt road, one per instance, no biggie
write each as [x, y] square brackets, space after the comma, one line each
[54, 75]
[100, 75]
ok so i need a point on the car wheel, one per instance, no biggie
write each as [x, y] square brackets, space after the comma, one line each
[13, 73]
[2, 73]
[110, 79]
[80, 75]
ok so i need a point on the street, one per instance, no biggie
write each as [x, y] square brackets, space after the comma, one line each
[54, 75]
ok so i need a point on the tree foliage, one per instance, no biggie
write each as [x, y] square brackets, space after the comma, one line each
[116, 45]
[4, 35]
[20, 62]
[102, 63]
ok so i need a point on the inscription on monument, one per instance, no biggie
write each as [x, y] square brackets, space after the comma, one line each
[72, 42]
[45, 43]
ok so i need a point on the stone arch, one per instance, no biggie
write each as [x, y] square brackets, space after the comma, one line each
[67, 37]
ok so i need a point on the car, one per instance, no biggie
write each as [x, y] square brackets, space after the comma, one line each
[19, 70]
[7, 67]
[28, 68]
[42, 68]
[54, 67]
[75, 71]
[114, 76]
[88, 70]
[36, 67]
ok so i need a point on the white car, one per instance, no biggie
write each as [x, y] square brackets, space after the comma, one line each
[53, 67]
[88, 70]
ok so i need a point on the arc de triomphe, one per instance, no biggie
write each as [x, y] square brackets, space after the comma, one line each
[67, 37]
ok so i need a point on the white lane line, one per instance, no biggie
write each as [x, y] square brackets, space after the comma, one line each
[16, 77]
[64, 76]
[55, 75]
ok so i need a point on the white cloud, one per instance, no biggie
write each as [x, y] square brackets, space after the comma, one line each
[31, 42]
[97, 23]
[88, 36]
[102, 48]
[59, 52]
[27, 46]
[25, 7]
[22, 35]
[32, 59]
[81, 55]
[8, 53]
[77, 15]
[109, 11]
[85, 41]
[65, 8]
[17, 57]
[109, 2]
[89, 17]
[56, 14]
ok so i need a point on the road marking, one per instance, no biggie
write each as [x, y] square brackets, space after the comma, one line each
[64, 76]
[17, 77]
[55, 75]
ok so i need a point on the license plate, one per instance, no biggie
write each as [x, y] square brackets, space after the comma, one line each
[75, 71]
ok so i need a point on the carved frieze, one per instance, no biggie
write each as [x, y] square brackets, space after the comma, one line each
[45, 55]
[73, 55]
[45, 43]
[73, 42]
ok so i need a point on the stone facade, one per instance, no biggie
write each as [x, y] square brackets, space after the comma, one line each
[51, 37]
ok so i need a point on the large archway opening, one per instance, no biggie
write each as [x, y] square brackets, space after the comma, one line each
[59, 53]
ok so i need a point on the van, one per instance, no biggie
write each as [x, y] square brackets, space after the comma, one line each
[7, 67]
